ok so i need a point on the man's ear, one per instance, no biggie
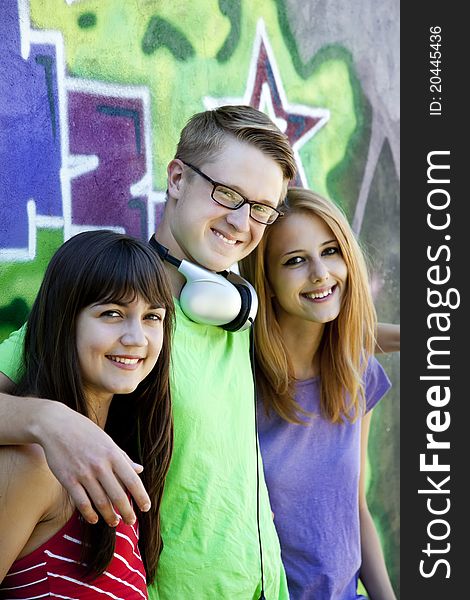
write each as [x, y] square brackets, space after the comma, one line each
[175, 172]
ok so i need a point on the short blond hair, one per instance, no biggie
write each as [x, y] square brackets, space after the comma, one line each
[203, 137]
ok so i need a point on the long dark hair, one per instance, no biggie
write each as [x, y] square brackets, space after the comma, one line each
[103, 266]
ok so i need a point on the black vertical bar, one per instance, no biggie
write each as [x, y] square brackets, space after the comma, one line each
[435, 259]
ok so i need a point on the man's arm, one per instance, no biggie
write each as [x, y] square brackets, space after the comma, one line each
[388, 338]
[86, 461]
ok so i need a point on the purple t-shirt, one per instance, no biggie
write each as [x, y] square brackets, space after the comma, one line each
[312, 473]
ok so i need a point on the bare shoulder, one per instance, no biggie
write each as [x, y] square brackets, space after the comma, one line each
[24, 456]
[28, 494]
[25, 468]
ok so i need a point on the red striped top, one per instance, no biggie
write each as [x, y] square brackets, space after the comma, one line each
[53, 570]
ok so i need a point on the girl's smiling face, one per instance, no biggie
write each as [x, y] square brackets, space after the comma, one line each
[118, 345]
[306, 270]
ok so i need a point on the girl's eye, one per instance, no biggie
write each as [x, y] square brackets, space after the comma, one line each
[154, 317]
[111, 313]
[295, 260]
[157, 317]
[330, 250]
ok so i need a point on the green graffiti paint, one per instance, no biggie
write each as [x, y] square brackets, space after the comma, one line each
[87, 20]
[162, 34]
[21, 281]
[344, 180]
[304, 70]
[327, 52]
[233, 11]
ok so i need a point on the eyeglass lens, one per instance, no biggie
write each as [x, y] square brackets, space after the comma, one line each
[231, 199]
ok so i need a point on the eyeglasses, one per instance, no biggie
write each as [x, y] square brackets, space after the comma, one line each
[225, 196]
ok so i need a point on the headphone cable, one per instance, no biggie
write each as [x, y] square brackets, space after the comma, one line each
[163, 252]
[253, 369]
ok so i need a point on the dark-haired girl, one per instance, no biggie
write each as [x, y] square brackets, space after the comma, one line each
[98, 340]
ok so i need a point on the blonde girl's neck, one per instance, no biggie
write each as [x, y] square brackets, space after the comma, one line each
[302, 340]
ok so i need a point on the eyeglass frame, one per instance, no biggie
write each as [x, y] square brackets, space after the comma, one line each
[245, 200]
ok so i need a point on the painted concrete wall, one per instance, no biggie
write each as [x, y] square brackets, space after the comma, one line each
[93, 94]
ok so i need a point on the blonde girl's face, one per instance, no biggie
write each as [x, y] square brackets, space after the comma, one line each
[306, 270]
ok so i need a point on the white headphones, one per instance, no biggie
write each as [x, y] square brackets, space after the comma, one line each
[224, 299]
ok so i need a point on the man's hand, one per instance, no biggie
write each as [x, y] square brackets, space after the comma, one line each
[86, 461]
[90, 466]
[388, 338]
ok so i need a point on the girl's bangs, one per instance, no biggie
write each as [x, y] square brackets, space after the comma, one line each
[123, 273]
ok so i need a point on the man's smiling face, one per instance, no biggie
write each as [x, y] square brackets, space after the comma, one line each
[212, 235]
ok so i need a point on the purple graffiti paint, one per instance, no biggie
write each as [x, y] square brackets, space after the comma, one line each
[29, 131]
[112, 129]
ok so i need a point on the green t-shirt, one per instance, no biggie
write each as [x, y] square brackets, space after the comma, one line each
[208, 512]
[209, 524]
[11, 354]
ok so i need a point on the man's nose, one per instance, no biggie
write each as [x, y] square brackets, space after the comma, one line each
[240, 218]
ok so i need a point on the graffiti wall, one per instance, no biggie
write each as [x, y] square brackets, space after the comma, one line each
[94, 93]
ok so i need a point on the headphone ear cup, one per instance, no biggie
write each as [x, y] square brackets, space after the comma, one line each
[240, 319]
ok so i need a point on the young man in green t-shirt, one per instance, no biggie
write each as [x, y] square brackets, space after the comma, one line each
[210, 526]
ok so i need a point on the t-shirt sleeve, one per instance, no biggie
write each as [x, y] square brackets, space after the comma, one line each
[11, 354]
[377, 383]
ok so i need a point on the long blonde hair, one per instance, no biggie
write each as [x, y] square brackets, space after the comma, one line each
[347, 341]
